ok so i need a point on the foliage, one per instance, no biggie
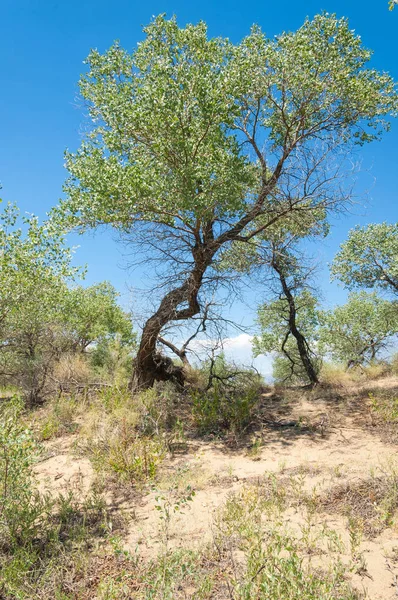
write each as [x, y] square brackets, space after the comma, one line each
[230, 399]
[355, 333]
[34, 269]
[122, 435]
[385, 406]
[92, 314]
[369, 258]
[166, 114]
[112, 357]
[165, 164]
[20, 506]
[273, 565]
[42, 318]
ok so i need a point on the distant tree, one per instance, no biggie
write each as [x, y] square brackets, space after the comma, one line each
[92, 314]
[369, 258]
[199, 142]
[42, 317]
[356, 332]
[34, 269]
[279, 261]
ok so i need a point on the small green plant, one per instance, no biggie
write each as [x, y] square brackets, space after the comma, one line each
[115, 445]
[218, 409]
[133, 458]
[273, 564]
[174, 501]
[254, 451]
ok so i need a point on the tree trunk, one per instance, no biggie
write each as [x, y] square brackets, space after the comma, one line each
[149, 364]
[304, 356]
[302, 345]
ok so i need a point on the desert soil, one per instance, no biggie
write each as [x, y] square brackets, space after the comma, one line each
[336, 445]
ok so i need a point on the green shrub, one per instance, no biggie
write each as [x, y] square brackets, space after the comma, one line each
[20, 504]
[221, 409]
[59, 418]
[157, 408]
[394, 364]
[114, 446]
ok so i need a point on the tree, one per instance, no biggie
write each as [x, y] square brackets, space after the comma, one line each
[293, 344]
[358, 331]
[92, 314]
[279, 258]
[198, 142]
[41, 316]
[32, 257]
[369, 258]
[34, 269]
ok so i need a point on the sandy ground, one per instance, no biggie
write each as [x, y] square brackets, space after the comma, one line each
[342, 449]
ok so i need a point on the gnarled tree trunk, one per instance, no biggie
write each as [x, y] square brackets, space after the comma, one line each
[302, 345]
[149, 364]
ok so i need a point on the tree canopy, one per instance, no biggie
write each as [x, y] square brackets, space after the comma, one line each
[198, 142]
[356, 332]
[369, 258]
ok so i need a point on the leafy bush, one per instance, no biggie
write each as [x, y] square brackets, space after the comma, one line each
[120, 438]
[43, 540]
[20, 505]
[230, 398]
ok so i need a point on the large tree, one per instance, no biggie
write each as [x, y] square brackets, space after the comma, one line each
[198, 142]
[369, 258]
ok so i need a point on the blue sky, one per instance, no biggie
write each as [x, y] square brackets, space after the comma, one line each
[42, 47]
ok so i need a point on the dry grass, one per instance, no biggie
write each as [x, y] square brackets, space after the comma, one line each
[374, 501]
[336, 375]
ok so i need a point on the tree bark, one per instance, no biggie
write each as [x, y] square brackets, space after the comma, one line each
[302, 345]
[150, 365]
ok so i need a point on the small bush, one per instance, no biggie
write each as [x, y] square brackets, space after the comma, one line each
[217, 410]
[114, 443]
[156, 408]
[229, 401]
[394, 364]
[337, 375]
[374, 501]
[376, 370]
[20, 505]
[72, 372]
[384, 406]
[59, 418]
